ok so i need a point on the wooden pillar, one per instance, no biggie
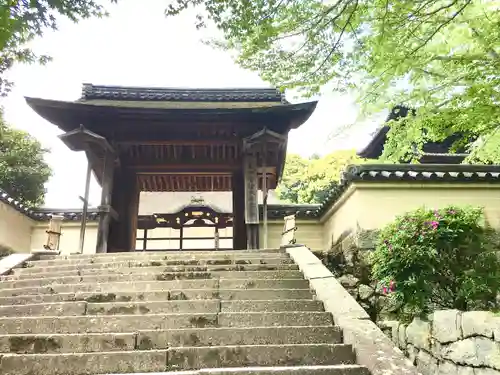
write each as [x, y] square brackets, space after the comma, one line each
[125, 201]
[251, 200]
[216, 238]
[264, 195]
[105, 210]
[239, 230]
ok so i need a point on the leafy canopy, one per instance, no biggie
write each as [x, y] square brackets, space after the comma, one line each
[23, 171]
[438, 259]
[440, 56]
[309, 180]
[21, 21]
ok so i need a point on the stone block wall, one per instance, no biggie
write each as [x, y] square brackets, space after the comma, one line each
[349, 261]
[450, 342]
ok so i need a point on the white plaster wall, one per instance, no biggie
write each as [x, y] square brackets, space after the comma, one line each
[70, 237]
[15, 229]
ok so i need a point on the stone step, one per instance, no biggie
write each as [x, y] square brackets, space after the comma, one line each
[158, 262]
[163, 339]
[186, 294]
[173, 258]
[176, 359]
[123, 323]
[147, 286]
[91, 269]
[188, 253]
[275, 370]
[152, 276]
[157, 307]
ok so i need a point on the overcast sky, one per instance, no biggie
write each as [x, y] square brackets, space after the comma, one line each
[138, 46]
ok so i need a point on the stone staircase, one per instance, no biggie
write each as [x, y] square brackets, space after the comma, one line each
[238, 312]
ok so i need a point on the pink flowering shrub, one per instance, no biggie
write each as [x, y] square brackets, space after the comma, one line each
[437, 259]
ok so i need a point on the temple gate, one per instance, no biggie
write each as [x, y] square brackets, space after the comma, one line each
[165, 140]
[175, 229]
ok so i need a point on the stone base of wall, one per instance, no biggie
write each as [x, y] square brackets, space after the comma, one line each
[349, 261]
[450, 342]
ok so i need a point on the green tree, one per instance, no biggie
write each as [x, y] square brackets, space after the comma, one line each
[308, 180]
[23, 171]
[441, 57]
[292, 180]
[22, 21]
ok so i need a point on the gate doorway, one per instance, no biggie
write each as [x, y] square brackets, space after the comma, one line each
[193, 227]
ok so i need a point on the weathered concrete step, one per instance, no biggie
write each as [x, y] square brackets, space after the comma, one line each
[159, 275]
[163, 339]
[147, 286]
[92, 269]
[173, 258]
[186, 294]
[259, 355]
[161, 262]
[275, 370]
[188, 253]
[157, 307]
[123, 323]
[176, 359]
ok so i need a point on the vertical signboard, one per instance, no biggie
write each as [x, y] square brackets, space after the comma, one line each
[251, 202]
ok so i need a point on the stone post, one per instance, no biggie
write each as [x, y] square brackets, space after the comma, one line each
[289, 228]
[54, 233]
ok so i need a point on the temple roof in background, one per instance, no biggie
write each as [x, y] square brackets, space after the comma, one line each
[433, 152]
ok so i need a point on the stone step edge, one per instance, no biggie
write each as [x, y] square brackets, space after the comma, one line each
[108, 284]
[142, 331]
[171, 301]
[192, 268]
[270, 250]
[116, 296]
[174, 273]
[215, 347]
[166, 256]
[327, 334]
[129, 262]
[254, 369]
[125, 316]
[174, 290]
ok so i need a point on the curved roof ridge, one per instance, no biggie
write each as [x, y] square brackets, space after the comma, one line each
[137, 93]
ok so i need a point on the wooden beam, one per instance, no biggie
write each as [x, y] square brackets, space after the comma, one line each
[164, 168]
[187, 142]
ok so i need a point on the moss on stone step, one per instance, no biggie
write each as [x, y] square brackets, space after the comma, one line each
[32, 344]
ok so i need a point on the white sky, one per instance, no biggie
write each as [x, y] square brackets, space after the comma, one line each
[138, 46]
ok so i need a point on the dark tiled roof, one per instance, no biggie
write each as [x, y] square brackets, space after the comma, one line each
[301, 211]
[93, 92]
[18, 206]
[42, 214]
[423, 173]
[375, 147]
[275, 211]
[433, 152]
[69, 214]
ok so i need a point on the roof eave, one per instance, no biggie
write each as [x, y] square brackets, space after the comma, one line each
[58, 112]
[369, 151]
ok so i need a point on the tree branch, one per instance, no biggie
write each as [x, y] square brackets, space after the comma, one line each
[439, 28]
[339, 39]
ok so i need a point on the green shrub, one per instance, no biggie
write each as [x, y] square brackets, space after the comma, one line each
[438, 259]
